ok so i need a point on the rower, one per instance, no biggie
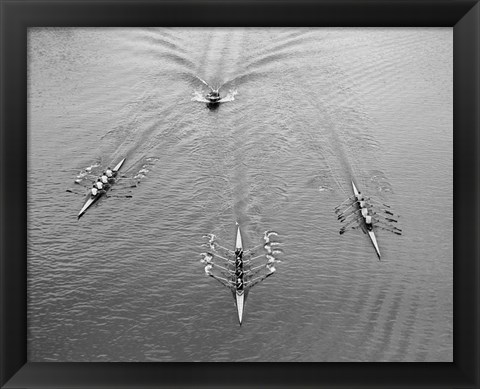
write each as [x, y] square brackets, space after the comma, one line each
[364, 212]
[238, 263]
[359, 197]
[368, 222]
[239, 284]
[362, 204]
[104, 178]
[99, 184]
[109, 172]
[94, 190]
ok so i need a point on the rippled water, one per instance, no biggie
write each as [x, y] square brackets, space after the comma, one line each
[312, 109]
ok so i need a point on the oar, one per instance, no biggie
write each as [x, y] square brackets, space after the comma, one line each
[384, 211]
[348, 199]
[387, 225]
[346, 209]
[386, 229]
[255, 281]
[253, 249]
[337, 210]
[225, 259]
[342, 218]
[223, 248]
[386, 218]
[71, 191]
[223, 268]
[343, 230]
[125, 186]
[223, 281]
[390, 213]
[254, 269]
[346, 225]
[377, 200]
[258, 256]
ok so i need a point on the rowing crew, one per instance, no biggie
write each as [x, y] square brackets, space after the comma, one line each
[364, 210]
[368, 215]
[239, 261]
[239, 283]
[102, 183]
[239, 269]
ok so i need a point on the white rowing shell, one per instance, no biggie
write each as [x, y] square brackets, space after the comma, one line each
[240, 296]
[371, 234]
[91, 200]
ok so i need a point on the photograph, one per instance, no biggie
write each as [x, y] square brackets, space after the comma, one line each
[240, 194]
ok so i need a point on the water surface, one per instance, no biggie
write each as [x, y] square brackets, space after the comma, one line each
[312, 109]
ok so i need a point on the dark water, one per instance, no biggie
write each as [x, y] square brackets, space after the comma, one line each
[312, 109]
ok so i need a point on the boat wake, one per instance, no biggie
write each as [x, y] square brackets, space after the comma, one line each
[145, 168]
[230, 96]
[267, 234]
[205, 82]
[86, 173]
[200, 95]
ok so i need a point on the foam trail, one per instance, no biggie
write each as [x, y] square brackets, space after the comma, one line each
[230, 96]
[198, 96]
[267, 234]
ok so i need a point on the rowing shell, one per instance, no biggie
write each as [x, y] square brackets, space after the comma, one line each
[239, 294]
[370, 233]
[90, 199]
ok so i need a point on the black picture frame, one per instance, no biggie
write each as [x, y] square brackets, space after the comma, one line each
[17, 16]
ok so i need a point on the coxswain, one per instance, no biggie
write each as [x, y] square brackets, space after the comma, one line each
[359, 196]
[109, 172]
